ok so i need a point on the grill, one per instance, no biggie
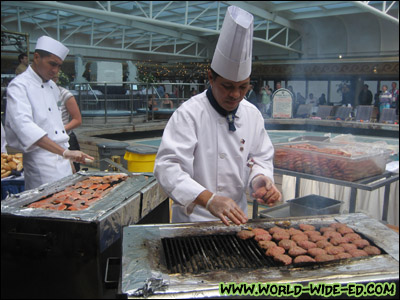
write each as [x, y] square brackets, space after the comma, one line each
[189, 260]
[210, 253]
[65, 252]
[197, 254]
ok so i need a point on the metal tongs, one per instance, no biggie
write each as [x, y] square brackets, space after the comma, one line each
[121, 168]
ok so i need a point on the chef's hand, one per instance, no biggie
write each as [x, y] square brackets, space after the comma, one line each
[265, 192]
[77, 156]
[222, 207]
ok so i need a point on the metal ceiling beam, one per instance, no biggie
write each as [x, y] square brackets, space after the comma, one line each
[303, 4]
[366, 7]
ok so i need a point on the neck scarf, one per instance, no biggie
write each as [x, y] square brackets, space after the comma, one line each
[230, 115]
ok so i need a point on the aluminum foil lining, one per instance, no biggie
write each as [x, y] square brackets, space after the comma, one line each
[144, 273]
[15, 204]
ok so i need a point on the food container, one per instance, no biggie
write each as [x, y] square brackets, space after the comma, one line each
[340, 161]
[141, 158]
[312, 205]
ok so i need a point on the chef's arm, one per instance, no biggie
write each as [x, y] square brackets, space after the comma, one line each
[221, 207]
[46, 143]
[78, 156]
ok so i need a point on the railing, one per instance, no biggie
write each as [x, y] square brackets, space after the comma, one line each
[106, 100]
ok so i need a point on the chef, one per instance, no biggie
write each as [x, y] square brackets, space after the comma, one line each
[215, 146]
[33, 121]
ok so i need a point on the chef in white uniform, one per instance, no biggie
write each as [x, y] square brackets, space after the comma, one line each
[33, 121]
[215, 146]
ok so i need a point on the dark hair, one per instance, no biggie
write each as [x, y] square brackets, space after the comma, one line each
[214, 74]
[21, 56]
[42, 53]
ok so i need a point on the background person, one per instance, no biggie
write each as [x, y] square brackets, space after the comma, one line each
[214, 145]
[71, 117]
[33, 122]
[23, 63]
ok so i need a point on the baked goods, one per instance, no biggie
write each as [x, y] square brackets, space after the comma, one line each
[10, 162]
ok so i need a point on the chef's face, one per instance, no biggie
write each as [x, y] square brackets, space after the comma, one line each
[46, 67]
[228, 93]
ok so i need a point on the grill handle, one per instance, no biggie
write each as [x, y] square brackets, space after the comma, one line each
[29, 236]
[113, 267]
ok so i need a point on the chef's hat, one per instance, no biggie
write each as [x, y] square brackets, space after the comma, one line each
[232, 56]
[51, 45]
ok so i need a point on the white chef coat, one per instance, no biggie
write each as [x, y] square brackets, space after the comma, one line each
[198, 152]
[32, 113]
[3, 140]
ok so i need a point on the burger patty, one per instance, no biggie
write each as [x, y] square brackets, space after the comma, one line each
[316, 238]
[343, 255]
[283, 258]
[324, 257]
[273, 251]
[332, 234]
[333, 250]
[296, 251]
[372, 250]
[358, 253]
[316, 251]
[287, 244]
[299, 237]
[303, 258]
[281, 236]
[337, 241]
[294, 231]
[350, 237]
[267, 244]
[245, 234]
[259, 231]
[323, 244]
[344, 230]
[305, 227]
[348, 247]
[325, 229]
[360, 243]
[263, 237]
[307, 244]
[276, 229]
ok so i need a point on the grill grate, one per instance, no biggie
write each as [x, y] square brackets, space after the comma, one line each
[195, 254]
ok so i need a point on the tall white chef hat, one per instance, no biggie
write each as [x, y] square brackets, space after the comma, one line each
[53, 46]
[232, 56]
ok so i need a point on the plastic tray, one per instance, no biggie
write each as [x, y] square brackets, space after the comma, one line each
[343, 162]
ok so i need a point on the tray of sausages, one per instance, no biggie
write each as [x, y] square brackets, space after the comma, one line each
[339, 161]
[310, 244]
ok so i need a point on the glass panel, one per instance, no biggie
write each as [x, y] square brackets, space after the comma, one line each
[318, 88]
[299, 86]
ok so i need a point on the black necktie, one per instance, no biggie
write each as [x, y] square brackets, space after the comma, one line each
[230, 115]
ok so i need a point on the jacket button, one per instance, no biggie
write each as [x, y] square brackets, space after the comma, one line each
[56, 131]
[222, 155]
[42, 86]
[63, 131]
[49, 109]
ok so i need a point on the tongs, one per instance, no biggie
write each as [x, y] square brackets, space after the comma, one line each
[121, 168]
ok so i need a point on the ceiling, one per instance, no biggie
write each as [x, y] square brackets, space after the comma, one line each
[188, 30]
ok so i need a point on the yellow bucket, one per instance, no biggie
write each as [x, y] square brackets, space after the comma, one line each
[140, 158]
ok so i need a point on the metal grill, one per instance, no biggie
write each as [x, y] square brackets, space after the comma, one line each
[195, 254]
